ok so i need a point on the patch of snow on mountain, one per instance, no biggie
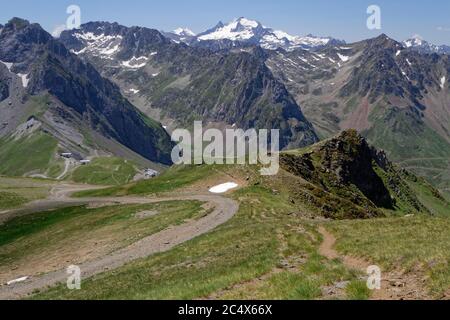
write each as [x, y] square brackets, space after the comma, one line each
[99, 45]
[413, 43]
[443, 82]
[404, 73]
[311, 41]
[79, 52]
[135, 63]
[343, 58]
[304, 60]
[184, 32]
[25, 79]
[283, 35]
[134, 91]
[110, 50]
[8, 65]
[248, 23]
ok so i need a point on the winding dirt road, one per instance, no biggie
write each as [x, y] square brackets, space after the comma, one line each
[224, 210]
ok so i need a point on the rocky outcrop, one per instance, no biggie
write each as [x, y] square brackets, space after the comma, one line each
[348, 160]
[348, 172]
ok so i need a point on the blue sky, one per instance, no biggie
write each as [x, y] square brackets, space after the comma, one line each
[344, 19]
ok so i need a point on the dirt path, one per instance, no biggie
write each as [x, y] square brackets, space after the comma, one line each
[224, 210]
[67, 164]
[395, 285]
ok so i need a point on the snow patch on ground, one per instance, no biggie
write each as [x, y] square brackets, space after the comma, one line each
[134, 91]
[443, 82]
[222, 188]
[17, 281]
[398, 53]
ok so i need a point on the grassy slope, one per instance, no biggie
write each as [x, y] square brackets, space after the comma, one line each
[436, 170]
[262, 237]
[417, 147]
[33, 153]
[414, 243]
[10, 200]
[268, 249]
[17, 191]
[175, 177]
[72, 232]
[436, 203]
[105, 171]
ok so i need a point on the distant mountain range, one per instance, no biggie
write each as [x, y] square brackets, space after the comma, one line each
[232, 75]
[242, 74]
[417, 43]
[243, 31]
[176, 83]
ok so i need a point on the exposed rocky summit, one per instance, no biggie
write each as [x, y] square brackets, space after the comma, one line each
[348, 167]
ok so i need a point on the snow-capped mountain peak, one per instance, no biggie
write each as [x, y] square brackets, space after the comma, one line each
[237, 30]
[186, 32]
[415, 41]
[249, 31]
[419, 44]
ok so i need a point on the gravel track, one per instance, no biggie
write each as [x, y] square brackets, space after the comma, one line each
[224, 210]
